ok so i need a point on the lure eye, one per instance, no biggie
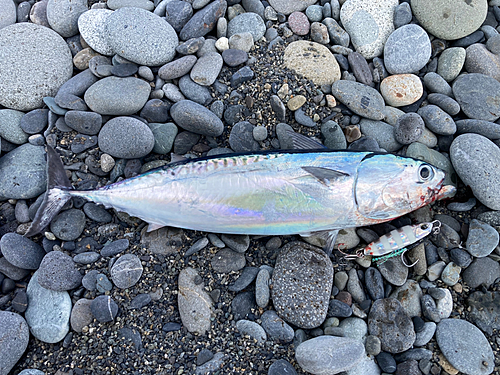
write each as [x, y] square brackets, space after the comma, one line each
[424, 226]
[425, 173]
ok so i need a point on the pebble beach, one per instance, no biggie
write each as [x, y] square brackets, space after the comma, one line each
[121, 87]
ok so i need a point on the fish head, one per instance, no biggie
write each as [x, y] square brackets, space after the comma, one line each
[388, 186]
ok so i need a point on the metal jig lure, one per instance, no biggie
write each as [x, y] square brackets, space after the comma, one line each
[395, 242]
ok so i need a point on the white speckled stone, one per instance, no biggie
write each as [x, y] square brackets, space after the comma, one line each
[91, 26]
[63, 15]
[36, 61]
[289, 6]
[369, 23]
[7, 13]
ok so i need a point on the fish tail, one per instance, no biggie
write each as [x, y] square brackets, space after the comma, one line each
[58, 193]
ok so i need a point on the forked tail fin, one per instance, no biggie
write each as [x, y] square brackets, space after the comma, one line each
[57, 194]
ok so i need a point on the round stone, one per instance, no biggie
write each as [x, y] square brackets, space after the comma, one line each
[21, 251]
[36, 61]
[482, 239]
[126, 271]
[10, 126]
[437, 120]
[104, 309]
[117, 96]
[298, 23]
[7, 15]
[62, 15]
[451, 62]
[81, 315]
[368, 24]
[15, 334]
[477, 161]
[206, 70]
[478, 96]
[58, 272]
[456, 337]
[126, 137]
[448, 19]
[382, 132]
[359, 98]
[407, 50]
[141, 36]
[68, 225]
[195, 118]
[289, 6]
[409, 128]
[91, 27]
[247, 22]
[401, 89]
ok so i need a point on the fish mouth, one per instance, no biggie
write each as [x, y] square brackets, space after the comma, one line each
[446, 191]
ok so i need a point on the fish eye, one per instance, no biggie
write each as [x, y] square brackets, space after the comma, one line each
[425, 173]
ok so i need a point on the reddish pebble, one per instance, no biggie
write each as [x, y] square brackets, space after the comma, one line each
[344, 297]
[299, 23]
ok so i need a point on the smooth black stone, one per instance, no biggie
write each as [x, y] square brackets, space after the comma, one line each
[34, 121]
[184, 142]
[460, 257]
[242, 305]
[156, 110]
[338, 309]
[124, 70]
[171, 327]
[418, 323]
[243, 75]
[386, 362]
[246, 278]
[178, 14]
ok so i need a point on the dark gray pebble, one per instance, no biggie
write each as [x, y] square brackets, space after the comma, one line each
[20, 301]
[115, 247]
[190, 46]
[402, 16]
[177, 68]
[247, 276]
[140, 301]
[365, 144]
[408, 368]
[164, 136]
[97, 213]
[75, 87]
[360, 68]
[418, 323]
[415, 354]
[184, 142]
[171, 327]
[87, 257]
[84, 122]
[242, 305]
[234, 57]
[34, 121]
[104, 309]
[338, 309]
[21, 251]
[447, 104]
[462, 206]
[466, 41]
[178, 14]
[11, 271]
[386, 362]
[204, 356]
[241, 137]
[276, 328]
[374, 283]
[68, 225]
[278, 107]
[437, 120]
[58, 272]
[195, 118]
[197, 93]
[446, 238]
[303, 119]
[482, 271]
[124, 70]
[197, 246]
[435, 83]
[409, 128]
[227, 260]
[203, 20]
[83, 142]
[102, 283]
[478, 104]
[90, 279]
[460, 257]
[242, 75]
[281, 367]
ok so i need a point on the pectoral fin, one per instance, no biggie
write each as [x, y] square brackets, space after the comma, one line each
[301, 142]
[153, 226]
[326, 238]
[325, 175]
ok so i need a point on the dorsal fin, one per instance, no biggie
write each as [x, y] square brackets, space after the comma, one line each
[325, 175]
[301, 142]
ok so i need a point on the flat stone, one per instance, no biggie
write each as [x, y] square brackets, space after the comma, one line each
[126, 271]
[361, 99]
[485, 310]
[313, 61]
[34, 121]
[487, 129]
[227, 260]
[84, 122]
[11, 271]
[14, 338]
[10, 126]
[36, 62]
[126, 137]
[451, 62]
[329, 354]
[207, 69]
[437, 120]
[62, 15]
[482, 239]
[58, 272]
[276, 328]
[482, 271]
[409, 295]
[477, 161]
[151, 41]
[368, 26]
[104, 308]
[447, 104]
[480, 60]
[289, 6]
[117, 4]
[204, 20]
[195, 92]
[196, 118]
[449, 20]
[382, 132]
[178, 13]
[81, 315]
[478, 96]
[280, 367]
[409, 128]
[435, 83]
[91, 25]
[23, 172]
[247, 22]
[407, 50]
[177, 68]
[195, 305]
[252, 329]
[401, 89]
[48, 312]
[299, 296]
[456, 336]
[8, 16]
[390, 322]
[241, 137]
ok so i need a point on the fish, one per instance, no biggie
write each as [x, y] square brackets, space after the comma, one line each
[306, 191]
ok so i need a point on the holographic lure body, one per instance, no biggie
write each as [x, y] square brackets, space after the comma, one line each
[267, 193]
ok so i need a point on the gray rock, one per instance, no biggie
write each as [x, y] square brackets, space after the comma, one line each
[478, 104]
[407, 50]
[62, 15]
[451, 62]
[227, 260]
[409, 128]
[204, 20]
[360, 68]
[374, 283]
[126, 271]
[195, 305]
[485, 310]
[276, 328]
[104, 309]
[234, 57]
[15, 337]
[156, 110]
[87, 257]
[81, 315]
[354, 328]
[409, 295]
[355, 287]
[382, 132]
[336, 33]
[7, 17]
[164, 135]
[446, 103]
[241, 41]
[252, 329]
[178, 13]
[177, 68]
[23, 172]
[207, 69]
[242, 75]
[287, 7]
[281, 367]
[34, 121]
[144, 4]
[117, 96]
[241, 137]
[453, 335]
[245, 279]
[10, 126]
[262, 288]
[68, 96]
[482, 271]
[402, 15]
[435, 83]
[11, 271]
[38, 13]
[84, 122]
[126, 137]
[477, 160]
[487, 129]
[97, 213]
[389, 321]
[48, 312]
[338, 309]
[247, 22]
[92, 27]
[68, 225]
[361, 99]
[437, 120]
[21, 252]
[238, 243]
[151, 41]
[451, 274]
[197, 93]
[58, 272]
[329, 354]
[482, 239]
[36, 68]
[334, 136]
[299, 296]
[196, 118]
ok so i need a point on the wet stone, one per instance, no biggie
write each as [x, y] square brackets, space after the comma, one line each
[126, 271]
[302, 281]
[242, 75]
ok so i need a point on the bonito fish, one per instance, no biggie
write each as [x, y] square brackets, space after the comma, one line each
[266, 193]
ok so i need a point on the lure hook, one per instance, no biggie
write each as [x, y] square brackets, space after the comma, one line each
[403, 260]
[358, 254]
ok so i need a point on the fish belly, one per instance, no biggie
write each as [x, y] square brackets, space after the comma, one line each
[253, 194]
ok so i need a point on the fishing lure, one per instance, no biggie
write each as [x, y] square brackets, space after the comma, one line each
[396, 242]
